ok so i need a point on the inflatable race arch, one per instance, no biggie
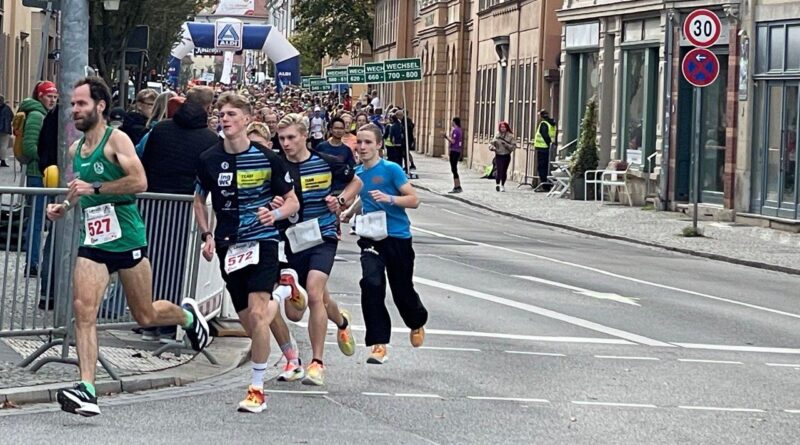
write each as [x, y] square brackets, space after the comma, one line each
[232, 35]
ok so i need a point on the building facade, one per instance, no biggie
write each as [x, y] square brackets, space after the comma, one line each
[627, 57]
[767, 171]
[394, 32]
[514, 58]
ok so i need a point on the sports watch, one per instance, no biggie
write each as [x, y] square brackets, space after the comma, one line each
[205, 235]
[97, 185]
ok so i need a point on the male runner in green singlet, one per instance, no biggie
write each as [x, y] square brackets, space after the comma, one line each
[108, 174]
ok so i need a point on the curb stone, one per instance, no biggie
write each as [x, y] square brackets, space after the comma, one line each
[177, 376]
[713, 256]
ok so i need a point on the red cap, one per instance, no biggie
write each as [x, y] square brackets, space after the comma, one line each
[46, 87]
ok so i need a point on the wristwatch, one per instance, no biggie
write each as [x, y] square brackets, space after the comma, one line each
[342, 200]
[96, 186]
[205, 235]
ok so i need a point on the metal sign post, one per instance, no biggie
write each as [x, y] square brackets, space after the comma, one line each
[696, 139]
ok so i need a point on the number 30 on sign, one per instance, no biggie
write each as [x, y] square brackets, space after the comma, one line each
[702, 28]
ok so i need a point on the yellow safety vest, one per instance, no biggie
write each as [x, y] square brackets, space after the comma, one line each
[538, 141]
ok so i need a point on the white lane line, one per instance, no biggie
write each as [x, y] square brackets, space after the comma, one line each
[578, 290]
[377, 394]
[509, 399]
[543, 354]
[610, 274]
[305, 393]
[620, 357]
[494, 335]
[715, 408]
[458, 214]
[586, 324]
[787, 365]
[719, 362]
[441, 348]
[625, 405]
[421, 396]
[792, 411]
[513, 235]
[738, 348]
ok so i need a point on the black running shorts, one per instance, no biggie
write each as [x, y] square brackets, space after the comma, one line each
[260, 277]
[114, 261]
[319, 257]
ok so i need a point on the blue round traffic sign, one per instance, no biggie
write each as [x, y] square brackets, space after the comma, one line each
[700, 67]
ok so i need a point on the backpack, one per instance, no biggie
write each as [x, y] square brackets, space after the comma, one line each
[18, 127]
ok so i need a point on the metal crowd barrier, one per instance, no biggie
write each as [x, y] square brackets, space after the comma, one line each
[42, 305]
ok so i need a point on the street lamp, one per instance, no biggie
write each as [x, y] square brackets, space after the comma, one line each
[111, 5]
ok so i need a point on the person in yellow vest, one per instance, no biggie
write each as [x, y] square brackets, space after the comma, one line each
[544, 139]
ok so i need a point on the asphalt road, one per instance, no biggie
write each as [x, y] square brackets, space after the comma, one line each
[535, 336]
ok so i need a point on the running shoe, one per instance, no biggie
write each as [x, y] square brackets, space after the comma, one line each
[347, 343]
[417, 337]
[255, 402]
[378, 355]
[299, 296]
[78, 400]
[315, 375]
[198, 333]
[291, 373]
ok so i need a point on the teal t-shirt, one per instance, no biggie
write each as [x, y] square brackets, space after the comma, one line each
[387, 177]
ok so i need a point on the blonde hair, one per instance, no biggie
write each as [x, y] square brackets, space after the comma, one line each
[236, 101]
[375, 130]
[298, 120]
[146, 94]
[160, 107]
[259, 129]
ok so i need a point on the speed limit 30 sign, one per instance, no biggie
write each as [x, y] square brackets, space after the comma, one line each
[702, 28]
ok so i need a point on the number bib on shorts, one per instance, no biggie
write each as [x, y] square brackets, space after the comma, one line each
[240, 256]
[101, 224]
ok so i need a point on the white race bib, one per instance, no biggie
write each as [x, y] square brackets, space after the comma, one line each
[372, 225]
[101, 225]
[241, 255]
[304, 235]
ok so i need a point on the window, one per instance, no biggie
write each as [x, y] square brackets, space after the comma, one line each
[637, 135]
[582, 35]
[528, 102]
[485, 101]
[583, 78]
[776, 45]
[513, 97]
[486, 4]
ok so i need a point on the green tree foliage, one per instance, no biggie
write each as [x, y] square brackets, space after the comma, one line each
[334, 26]
[108, 29]
[586, 157]
[310, 53]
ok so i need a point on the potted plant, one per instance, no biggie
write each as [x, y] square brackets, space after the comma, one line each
[585, 157]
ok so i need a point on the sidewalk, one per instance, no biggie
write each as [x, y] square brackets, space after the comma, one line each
[748, 245]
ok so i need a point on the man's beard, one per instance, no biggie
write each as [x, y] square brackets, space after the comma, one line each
[89, 121]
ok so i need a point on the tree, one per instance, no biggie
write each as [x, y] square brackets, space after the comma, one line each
[335, 26]
[586, 157]
[108, 29]
[310, 53]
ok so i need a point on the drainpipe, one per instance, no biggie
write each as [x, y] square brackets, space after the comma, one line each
[663, 180]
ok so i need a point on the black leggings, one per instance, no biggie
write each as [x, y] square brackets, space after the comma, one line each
[501, 174]
[454, 158]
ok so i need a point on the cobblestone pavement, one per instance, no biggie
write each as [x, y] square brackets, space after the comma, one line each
[739, 243]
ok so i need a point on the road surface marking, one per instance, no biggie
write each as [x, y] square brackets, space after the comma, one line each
[626, 405]
[792, 411]
[719, 362]
[610, 274]
[441, 348]
[544, 354]
[377, 394]
[495, 335]
[306, 393]
[619, 357]
[713, 408]
[459, 214]
[509, 399]
[738, 348]
[422, 396]
[589, 293]
[787, 365]
[545, 313]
